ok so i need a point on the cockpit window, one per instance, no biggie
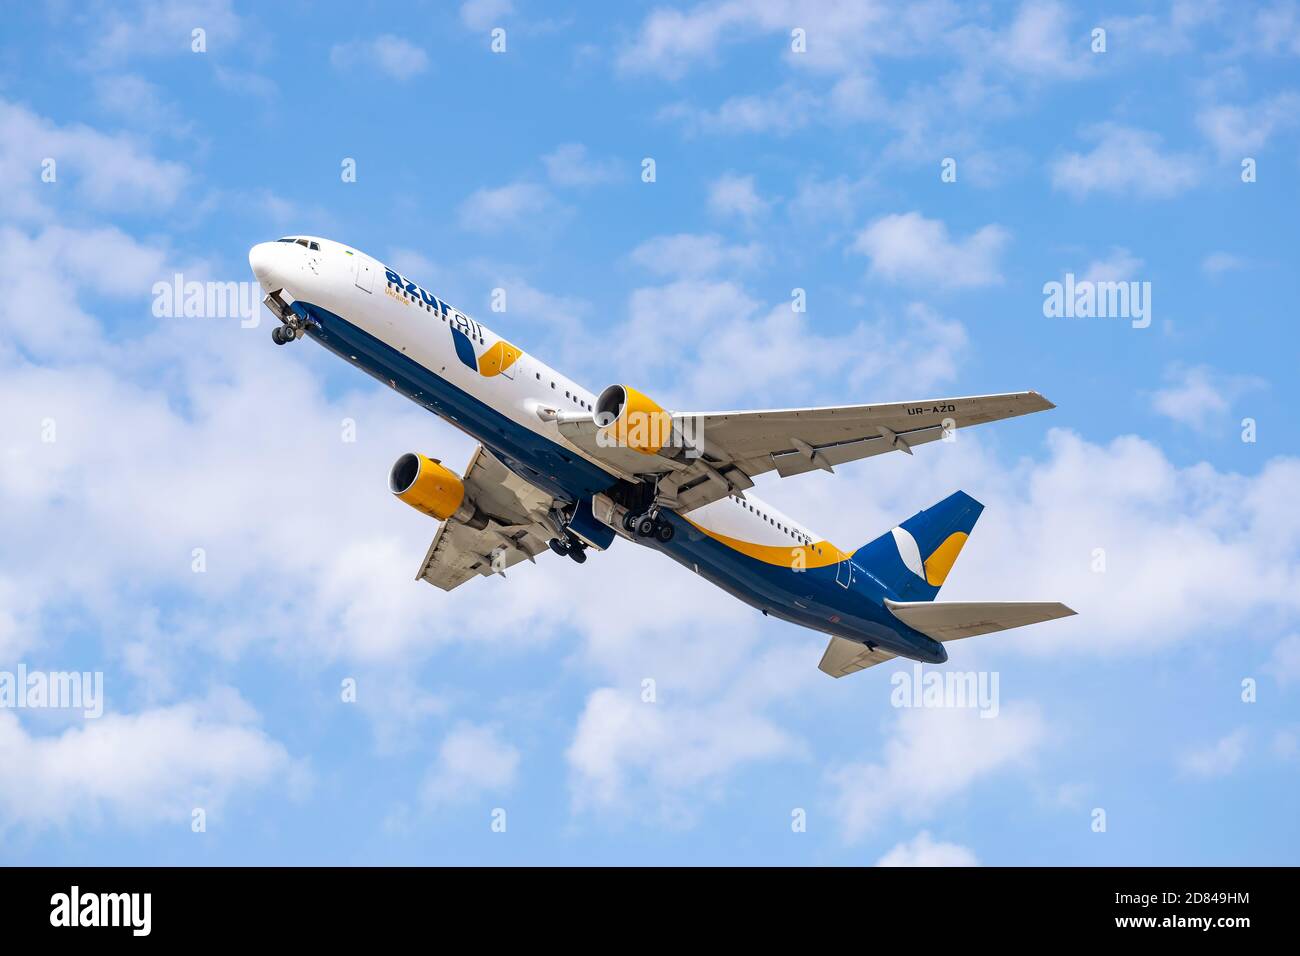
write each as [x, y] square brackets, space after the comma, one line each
[306, 244]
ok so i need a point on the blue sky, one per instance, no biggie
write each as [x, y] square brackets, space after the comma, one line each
[129, 440]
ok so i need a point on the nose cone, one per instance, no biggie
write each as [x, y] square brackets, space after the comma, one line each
[262, 258]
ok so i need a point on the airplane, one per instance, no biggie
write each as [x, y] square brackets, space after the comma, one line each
[562, 468]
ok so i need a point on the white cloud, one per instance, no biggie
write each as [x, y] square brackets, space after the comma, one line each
[1192, 399]
[135, 100]
[1275, 29]
[1120, 266]
[1164, 35]
[547, 310]
[148, 767]
[685, 254]
[569, 165]
[390, 54]
[1217, 263]
[628, 754]
[930, 756]
[398, 707]
[1240, 131]
[1200, 397]
[104, 262]
[731, 195]
[785, 111]
[1285, 661]
[492, 210]
[910, 248]
[841, 36]
[1218, 759]
[472, 760]
[1125, 161]
[1041, 41]
[1286, 744]
[137, 28]
[821, 200]
[670, 40]
[108, 172]
[484, 14]
[721, 331]
[246, 83]
[923, 850]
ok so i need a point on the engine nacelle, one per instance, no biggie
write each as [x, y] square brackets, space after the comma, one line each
[427, 486]
[630, 419]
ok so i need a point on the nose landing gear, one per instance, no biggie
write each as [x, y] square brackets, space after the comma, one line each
[293, 324]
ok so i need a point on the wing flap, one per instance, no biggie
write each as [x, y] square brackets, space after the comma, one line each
[952, 620]
[459, 552]
[797, 462]
[514, 531]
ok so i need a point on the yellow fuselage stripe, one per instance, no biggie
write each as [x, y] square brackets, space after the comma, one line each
[818, 555]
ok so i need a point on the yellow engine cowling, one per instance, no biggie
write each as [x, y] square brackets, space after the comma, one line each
[633, 420]
[427, 486]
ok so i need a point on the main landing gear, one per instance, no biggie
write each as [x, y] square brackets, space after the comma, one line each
[572, 547]
[283, 334]
[648, 525]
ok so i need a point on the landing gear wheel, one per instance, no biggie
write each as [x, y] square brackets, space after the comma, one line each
[645, 526]
[629, 523]
[277, 335]
[664, 532]
[578, 554]
[558, 546]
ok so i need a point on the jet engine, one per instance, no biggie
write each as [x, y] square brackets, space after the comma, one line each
[630, 419]
[427, 486]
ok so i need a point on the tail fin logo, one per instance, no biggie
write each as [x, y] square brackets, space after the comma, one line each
[908, 551]
[934, 570]
[938, 564]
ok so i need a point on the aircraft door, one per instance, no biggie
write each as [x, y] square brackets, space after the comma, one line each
[365, 274]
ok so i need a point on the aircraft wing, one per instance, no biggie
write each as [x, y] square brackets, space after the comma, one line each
[716, 454]
[515, 530]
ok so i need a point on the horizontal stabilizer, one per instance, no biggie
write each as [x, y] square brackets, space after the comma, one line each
[948, 621]
[848, 657]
